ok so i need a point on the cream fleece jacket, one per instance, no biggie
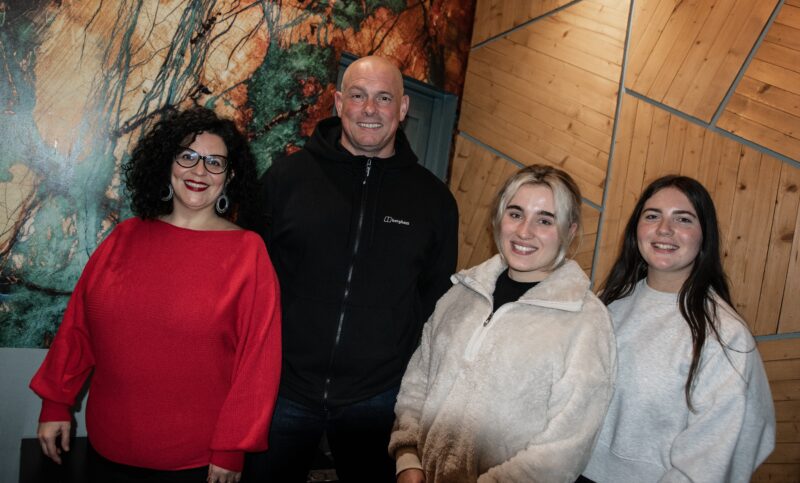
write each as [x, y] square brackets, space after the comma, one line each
[514, 396]
[649, 433]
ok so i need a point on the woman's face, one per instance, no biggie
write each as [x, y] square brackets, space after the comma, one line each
[669, 238]
[197, 189]
[529, 238]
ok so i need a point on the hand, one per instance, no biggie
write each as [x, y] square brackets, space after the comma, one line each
[221, 475]
[411, 475]
[48, 434]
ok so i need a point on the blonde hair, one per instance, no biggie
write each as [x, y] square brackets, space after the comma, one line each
[566, 197]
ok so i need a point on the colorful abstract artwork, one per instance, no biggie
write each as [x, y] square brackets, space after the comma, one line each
[81, 80]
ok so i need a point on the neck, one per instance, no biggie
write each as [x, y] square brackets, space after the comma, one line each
[663, 282]
[194, 220]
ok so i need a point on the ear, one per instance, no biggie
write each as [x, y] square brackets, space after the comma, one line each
[337, 101]
[404, 102]
[572, 229]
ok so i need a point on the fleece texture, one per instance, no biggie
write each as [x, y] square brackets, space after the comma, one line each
[517, 395]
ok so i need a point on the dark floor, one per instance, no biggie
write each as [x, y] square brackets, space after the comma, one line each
[34, 467]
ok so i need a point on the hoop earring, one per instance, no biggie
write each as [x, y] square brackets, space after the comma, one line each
[222, 204]
[169, 194]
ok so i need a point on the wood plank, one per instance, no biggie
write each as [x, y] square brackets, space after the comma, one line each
[782, 370]
[790, 321]
[781, 349]
[659, 133]
[784, 35]
[786, 391]
[554, 29]
[725, 190]
[645, 36]
[780, 55]
[789, 15]
[787, 411]
[780, 249]
[776, 473]
[745, 35]
[493, 17]
[785, 453]
[770, 95]
[766, 116]
[698, 55]
[760, 134]
[775, 75]
[787, 432]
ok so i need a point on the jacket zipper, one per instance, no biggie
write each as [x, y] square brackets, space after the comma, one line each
[476, 340]
[346, 294]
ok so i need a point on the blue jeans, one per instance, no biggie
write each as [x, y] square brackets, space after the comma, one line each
[358, 435]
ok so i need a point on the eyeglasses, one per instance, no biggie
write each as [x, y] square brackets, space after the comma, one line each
[214, 163]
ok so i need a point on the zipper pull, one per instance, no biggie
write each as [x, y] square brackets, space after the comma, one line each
[488, 319]
[366, 175]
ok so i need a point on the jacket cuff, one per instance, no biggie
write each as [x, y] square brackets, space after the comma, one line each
[54, 411]
[406, 459]
[230, 460]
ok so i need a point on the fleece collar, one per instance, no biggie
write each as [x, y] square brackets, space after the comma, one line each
[564, 289]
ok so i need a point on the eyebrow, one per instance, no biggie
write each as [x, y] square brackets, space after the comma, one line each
[676, 212]
[540, 212]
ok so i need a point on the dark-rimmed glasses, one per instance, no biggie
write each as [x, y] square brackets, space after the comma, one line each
[214, 163]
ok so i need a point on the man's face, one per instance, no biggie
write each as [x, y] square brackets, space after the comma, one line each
[371, 106]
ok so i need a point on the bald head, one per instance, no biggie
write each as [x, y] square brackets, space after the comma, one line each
[371, 106]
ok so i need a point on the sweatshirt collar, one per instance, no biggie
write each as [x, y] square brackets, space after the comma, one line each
[563, 289]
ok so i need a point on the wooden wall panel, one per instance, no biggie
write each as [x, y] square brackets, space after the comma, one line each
[477, 176]
[493, 17]
[687, 54]
[765, 107]
[755, 194]
[547, 93]
[781, 358]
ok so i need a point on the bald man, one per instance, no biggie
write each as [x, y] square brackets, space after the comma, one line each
[364, 241]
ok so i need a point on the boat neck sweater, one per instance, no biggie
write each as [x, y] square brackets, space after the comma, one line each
[180, 330]
[649, 433]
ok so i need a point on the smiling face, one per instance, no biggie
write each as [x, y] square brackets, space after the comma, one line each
[371, 106]
[528, 235]
[669, 237]
[196, 189]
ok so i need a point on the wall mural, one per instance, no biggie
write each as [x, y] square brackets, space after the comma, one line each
[80, 80]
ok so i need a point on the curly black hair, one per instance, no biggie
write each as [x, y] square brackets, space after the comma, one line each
[147, 172]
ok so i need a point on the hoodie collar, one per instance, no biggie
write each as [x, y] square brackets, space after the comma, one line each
[564, 289]
[325, 143]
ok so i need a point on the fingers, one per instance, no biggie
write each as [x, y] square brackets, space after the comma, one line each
[48, 434]
[221, 475]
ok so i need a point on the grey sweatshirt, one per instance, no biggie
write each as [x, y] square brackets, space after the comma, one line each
[649, 433]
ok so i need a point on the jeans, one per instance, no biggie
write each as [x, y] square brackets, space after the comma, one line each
[358, 435]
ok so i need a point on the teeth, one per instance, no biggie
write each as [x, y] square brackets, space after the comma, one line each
[522, 248]
[195, 185]
[665, 246]
[370, 125]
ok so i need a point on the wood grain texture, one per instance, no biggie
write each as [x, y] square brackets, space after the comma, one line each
[687, 54]
[765, 108]
[493, 17]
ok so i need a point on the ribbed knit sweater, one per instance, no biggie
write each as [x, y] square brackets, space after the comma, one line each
[180, 330]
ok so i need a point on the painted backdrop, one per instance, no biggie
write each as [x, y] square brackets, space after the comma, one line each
[81, 80]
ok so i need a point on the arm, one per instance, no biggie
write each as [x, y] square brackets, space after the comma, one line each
[435, 280]
[577, 405]
[66, 367]
[243, 421]
[732, 429]
[408, 410]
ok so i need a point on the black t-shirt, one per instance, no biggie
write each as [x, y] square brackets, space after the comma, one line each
[508, 290]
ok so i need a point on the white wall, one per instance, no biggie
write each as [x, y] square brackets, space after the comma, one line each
[19, 407]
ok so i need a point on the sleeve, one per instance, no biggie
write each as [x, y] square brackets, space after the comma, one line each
[732, 428]
[71, 358]
[243, 421]
[576, 409]
[408, 409]
[435, 280]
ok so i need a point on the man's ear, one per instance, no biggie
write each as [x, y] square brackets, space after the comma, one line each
[337, 101]
[404, 102]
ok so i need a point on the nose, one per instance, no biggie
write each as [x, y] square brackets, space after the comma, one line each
[199, 169]
[524, 230]
[369, 107]
[664, 226]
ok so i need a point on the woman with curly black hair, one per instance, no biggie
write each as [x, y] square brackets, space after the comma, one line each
[176, 317]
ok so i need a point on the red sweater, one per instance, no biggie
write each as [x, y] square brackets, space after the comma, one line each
[182, 331]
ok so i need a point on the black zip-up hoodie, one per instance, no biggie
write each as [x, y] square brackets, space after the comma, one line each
[363, 248]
